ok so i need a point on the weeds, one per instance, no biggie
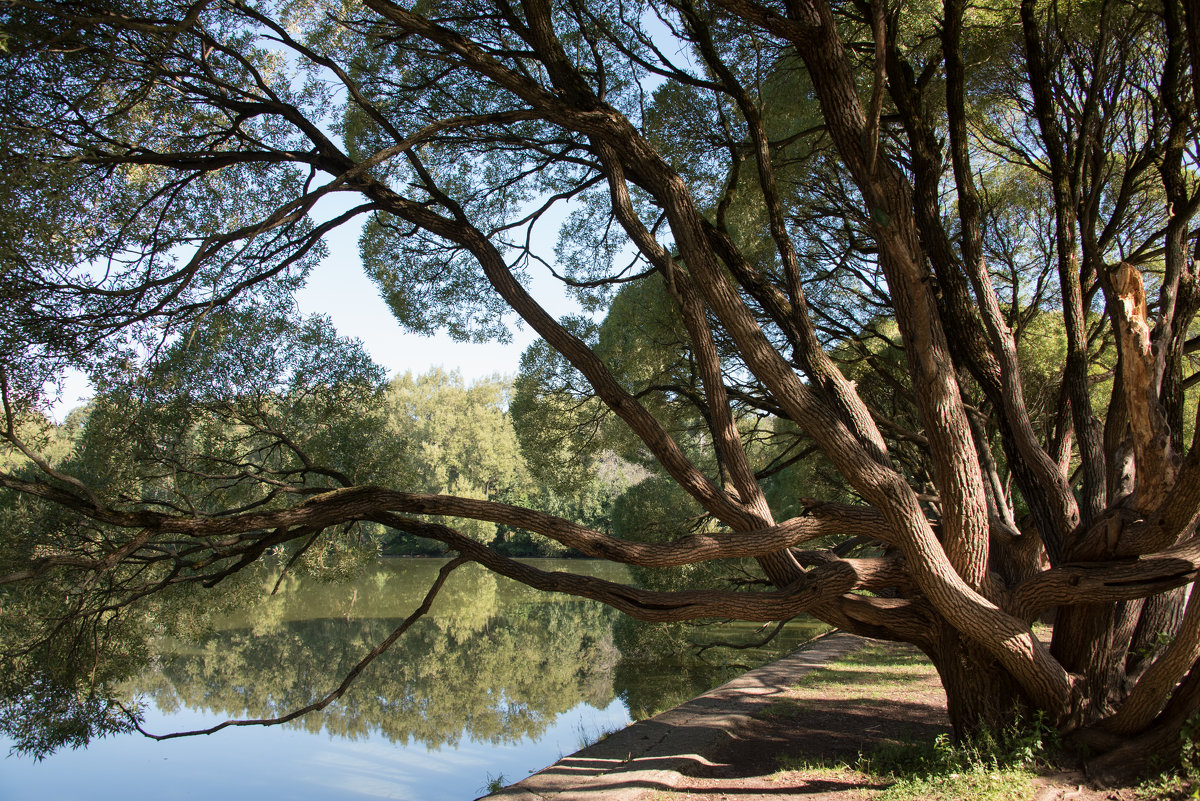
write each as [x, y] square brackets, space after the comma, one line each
[791, 764]
[992, 766]
[494, 784]
[997, 766]
[587, 737]
[1182, 784]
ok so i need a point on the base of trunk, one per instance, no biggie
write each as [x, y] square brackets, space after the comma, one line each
[981, 696]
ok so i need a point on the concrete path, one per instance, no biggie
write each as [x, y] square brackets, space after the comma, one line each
[649, 755]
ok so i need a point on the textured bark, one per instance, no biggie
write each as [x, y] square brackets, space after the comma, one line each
[1124, 759]
[980, 695]
[952, 565]
[1157, 622]
[1155, 685]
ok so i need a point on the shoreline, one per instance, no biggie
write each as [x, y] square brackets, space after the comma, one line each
[647, 755]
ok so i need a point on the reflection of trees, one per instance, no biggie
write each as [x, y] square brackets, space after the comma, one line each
[647, 692]
[661, 668]
[470, 668]
[492, 660]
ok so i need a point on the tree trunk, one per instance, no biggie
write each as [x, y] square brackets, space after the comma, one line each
[1160, 618]
[980, 695]
[1083, 643]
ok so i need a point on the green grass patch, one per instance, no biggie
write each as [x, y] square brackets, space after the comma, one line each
[997, 766]
[987, 768]
[876, 670]
[992, 766]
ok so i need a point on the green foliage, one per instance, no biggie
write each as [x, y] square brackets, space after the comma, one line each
[1182, 783]
[999, 765]
[164, 170]
[447, 437]
[429, 285]
[255, 405]
[45, 715]
[84, 243]
[453, 439]
[658, 510]
[559, 424]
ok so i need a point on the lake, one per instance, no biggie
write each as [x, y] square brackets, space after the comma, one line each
[496, 682]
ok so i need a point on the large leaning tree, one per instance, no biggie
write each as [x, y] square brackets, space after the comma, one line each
[944, 249]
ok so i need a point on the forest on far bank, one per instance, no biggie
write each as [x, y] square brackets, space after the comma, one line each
[435, 432]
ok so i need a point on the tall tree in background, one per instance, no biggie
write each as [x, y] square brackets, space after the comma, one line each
[854, 236]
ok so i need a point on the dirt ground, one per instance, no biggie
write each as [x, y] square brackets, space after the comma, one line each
[800, 749]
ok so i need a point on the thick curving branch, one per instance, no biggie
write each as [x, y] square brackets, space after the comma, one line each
[817, 587]
[239, 535]
[1100, 582]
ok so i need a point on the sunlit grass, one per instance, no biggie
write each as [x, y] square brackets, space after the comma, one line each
[993, 766]
[874, 671]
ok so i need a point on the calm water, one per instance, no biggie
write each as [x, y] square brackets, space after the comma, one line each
[498, 680]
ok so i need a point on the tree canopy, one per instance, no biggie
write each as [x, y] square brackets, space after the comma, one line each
[893, 297]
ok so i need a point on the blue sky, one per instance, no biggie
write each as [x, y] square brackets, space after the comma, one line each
[340, 289]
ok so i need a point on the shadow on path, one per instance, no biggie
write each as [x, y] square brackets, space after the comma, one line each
[670, 750]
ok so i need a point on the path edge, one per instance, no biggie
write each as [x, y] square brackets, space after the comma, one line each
[649, 754]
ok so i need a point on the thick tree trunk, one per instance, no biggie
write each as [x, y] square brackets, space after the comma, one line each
[1083, 643]
[980, 694]
[1159, 621]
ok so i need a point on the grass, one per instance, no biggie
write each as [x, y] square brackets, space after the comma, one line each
[989, 768]
[494, 784]
[993, 766]
[999, 766]
[588, 737]
[875, 671]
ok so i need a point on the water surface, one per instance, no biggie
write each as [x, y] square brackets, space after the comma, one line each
[497, 681]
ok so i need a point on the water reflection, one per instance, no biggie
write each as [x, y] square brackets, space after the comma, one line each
[485, 664]
[497, 679]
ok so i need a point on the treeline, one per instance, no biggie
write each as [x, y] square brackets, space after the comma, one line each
[431, 433]
[458, 438]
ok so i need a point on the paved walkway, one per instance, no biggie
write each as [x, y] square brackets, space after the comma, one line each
[648, 755]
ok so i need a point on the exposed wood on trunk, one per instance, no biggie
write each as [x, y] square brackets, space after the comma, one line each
[1154, 455]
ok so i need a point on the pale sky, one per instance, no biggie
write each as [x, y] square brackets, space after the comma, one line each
[339, 289]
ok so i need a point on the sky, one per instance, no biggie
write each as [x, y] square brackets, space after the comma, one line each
[339, 289]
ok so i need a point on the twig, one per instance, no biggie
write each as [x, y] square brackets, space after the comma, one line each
[744, 645]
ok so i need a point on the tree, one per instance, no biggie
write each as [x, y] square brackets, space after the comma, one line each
[864, 244]
[455, 440]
